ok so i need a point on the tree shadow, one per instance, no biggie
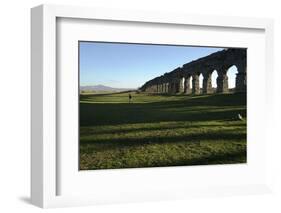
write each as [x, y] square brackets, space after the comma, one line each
[188, 113]
[215, 107]
[112, 114]
[235, 157]
[92, 130]
[123, 142]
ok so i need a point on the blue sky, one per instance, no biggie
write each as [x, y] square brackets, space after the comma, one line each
[131, 65]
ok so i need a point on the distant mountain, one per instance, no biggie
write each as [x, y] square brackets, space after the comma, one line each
[102, 88]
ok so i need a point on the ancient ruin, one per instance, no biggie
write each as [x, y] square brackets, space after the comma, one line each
[179, 80]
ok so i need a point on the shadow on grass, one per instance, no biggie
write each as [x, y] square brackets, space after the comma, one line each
[148, 117]
[202, 108]
[92, 130]
[112, 114]
[233, 157]
[105, 144]
[218, 158]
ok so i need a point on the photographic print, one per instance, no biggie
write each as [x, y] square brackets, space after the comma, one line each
[155, 105]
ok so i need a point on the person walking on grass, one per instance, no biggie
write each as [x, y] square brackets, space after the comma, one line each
[130, 97]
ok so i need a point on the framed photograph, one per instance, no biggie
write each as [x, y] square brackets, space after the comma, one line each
[129, 106]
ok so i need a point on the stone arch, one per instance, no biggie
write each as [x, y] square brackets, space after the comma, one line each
[178, 80]
[187, 84]
[195, 83]
[201, 78]
[241, 77]
[165, 88]
[232, 72]
[182, 84]
[171, 87]
[177, 86]
[214, 76]
[222, 80]
[207, 82]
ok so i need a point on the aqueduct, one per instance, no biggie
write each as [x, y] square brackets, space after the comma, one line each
[178, 80]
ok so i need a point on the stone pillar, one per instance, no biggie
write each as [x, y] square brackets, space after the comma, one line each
[187, 89]
[178, 85]
[222, 82]
[172, 87]
[170, 84]
[241, 82]
[207, 84]
[175, 86]
[182, 83]
[195, 84]
[241, 77]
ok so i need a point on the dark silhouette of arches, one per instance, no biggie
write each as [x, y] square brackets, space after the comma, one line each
[222, 64]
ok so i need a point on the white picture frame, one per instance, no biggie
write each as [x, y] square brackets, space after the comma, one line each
[44, 148]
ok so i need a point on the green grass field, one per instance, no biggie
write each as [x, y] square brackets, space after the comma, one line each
[161, 130]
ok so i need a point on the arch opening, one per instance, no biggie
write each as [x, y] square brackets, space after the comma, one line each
[214, 77]
[201, 82]
[182, 84]
[231, 73]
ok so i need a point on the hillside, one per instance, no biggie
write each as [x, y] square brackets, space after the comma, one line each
[102, 88]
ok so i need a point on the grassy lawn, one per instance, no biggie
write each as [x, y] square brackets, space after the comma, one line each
[161, 130]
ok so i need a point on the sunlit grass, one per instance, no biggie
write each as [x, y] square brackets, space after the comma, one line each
[161, 130]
